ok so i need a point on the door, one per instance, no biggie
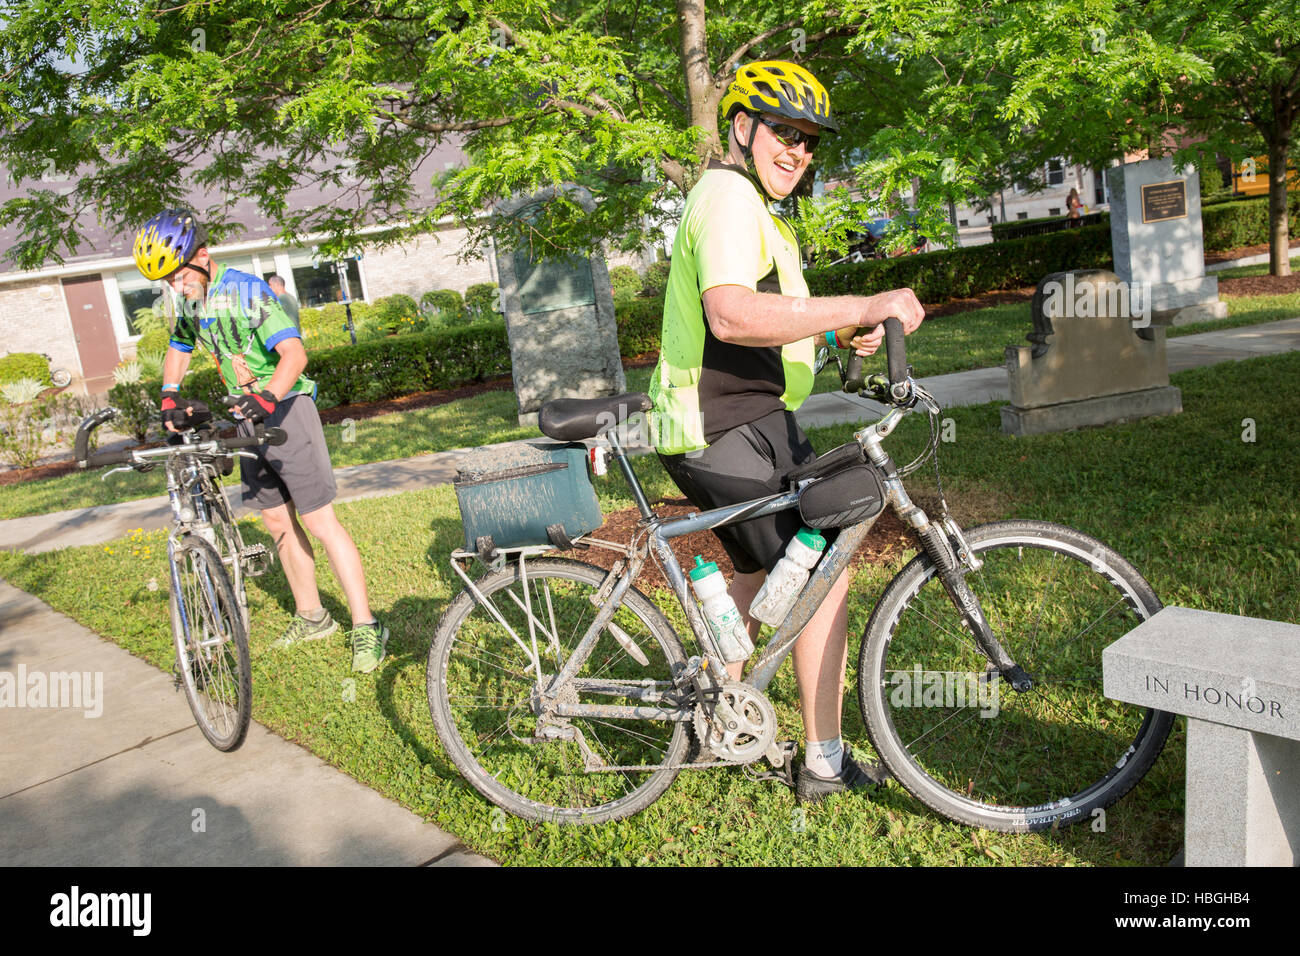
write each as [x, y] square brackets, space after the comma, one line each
[93, 327]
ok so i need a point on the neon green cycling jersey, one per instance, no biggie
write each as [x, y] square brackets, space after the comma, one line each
[240, 323]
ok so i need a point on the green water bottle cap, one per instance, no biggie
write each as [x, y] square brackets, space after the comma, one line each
[812, 539]
[702, 569]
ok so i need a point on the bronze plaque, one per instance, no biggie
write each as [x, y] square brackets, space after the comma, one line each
[554, 283]
[1162, 201]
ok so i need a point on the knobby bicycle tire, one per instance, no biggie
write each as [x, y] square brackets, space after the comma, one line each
[481, 695]
[212, 652]
[961, 740]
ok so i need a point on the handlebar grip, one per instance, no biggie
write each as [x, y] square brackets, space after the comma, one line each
[261, 436]
[895, 351]
[82, 444]
[853, 379]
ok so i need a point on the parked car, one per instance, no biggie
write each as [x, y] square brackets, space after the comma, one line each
[867, 242]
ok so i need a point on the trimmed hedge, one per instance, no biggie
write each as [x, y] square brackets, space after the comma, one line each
[957, 273]
[389, 367]
[1019, 228]
[20, 365]
[1230, 225]
[640, 322]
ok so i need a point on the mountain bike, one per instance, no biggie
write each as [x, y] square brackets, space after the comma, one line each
[562, 692]
[208, 566]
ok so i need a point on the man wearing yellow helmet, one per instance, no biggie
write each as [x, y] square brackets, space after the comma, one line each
[262, 360]
[739, 336]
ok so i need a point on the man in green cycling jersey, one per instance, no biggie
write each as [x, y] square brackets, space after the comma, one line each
[260, 352]
[739, 336]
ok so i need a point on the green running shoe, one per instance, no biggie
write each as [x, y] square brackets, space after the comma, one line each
[368, 643]
[301, 629]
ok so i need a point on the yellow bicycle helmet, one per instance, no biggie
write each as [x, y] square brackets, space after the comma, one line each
[168, 241]
[780, 87]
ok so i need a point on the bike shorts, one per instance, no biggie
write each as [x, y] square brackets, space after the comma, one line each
[750, 461]
[299, 470]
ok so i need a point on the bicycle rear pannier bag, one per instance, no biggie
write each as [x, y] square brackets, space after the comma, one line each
[846, 497]
[526, 494]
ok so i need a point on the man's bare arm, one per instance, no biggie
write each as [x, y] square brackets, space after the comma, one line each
[742, 317]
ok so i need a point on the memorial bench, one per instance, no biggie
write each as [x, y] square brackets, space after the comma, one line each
[1237, 680]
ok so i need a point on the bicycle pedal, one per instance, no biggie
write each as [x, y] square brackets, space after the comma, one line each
[257, 560]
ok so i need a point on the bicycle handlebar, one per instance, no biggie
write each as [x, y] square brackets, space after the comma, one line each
[896, 357]
[211, 445]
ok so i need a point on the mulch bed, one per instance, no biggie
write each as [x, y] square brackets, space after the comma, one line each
[1260, 285]
[887, 539]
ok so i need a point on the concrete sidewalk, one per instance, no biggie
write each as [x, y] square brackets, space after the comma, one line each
[139, 785]
[105, 523]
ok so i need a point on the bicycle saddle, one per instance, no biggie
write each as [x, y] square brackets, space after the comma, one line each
[573, 419]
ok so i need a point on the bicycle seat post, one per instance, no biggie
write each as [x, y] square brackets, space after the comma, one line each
[611, 435]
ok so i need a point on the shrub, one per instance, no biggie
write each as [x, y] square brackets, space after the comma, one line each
[391, 310]
[155, 340]
[1243, 222]
[389, 366]
[481, 300]
[625, 282]
[138, 407]
[640, 323]
[956, 273]
[444, 304]
[24, 365]
[27, 431]
[21, 392]
[656, 279]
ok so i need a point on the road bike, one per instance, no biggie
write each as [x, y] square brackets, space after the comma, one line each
[209, 564]
[562, 693]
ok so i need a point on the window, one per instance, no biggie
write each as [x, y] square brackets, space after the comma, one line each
[1054, 211]
[963, 222]
[318, 284]
[1022, 215]
[139, 296]
[1100, 194]
[1055, 172]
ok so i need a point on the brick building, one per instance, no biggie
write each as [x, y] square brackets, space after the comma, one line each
[80, 313]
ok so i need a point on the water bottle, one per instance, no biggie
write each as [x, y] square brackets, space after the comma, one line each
[773, 602]
[720, 611]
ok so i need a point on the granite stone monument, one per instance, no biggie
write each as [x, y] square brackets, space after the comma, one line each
[1094, 360]
[1156, 236]
[1237, 680]
[559, 318]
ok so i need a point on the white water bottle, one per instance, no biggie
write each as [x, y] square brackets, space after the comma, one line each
[773, 602]
[720, 611]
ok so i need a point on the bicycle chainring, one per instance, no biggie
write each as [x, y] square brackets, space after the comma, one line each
[743, 729]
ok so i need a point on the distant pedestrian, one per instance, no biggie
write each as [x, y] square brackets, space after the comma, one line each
[287, 299]
[1074, 205]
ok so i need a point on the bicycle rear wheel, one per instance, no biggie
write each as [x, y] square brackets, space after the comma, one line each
[483, 695]
[211, 644]
[962, 741]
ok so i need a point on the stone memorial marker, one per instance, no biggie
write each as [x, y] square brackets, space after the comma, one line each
[1237, 680]
[1094, 360]
[559, 319]
[1155, 232]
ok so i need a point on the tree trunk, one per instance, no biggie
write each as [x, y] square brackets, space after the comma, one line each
[701, 96]
[1279, 142]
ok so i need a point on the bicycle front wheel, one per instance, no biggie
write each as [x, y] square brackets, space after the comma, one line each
[956, 736]
[484, 695]
[211, 644]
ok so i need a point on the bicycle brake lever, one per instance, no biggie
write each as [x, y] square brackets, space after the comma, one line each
[114, 471]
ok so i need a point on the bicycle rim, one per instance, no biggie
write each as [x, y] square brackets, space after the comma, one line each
[482, 694]
[966, 744]
[211, 645]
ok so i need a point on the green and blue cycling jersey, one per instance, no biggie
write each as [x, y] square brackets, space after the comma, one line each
[240, 323]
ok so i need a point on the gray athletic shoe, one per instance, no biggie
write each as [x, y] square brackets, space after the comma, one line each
[853, 775]
[300, 629]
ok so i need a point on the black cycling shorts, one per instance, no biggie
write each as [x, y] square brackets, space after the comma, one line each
[747, 462]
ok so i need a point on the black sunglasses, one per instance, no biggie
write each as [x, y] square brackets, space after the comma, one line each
[789, 135]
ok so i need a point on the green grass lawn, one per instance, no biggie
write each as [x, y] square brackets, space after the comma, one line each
[1210, 519]
[1259, 269]
[953, 343]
